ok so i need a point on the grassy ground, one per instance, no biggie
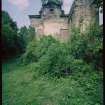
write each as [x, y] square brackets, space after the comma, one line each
[20, 87]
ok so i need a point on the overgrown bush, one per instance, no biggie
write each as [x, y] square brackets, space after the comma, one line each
[12, 43]
[61, 59]
[14, 40]
[36, 49]
[51, 57]
[58, 62]
[88, 45]
[27, 34]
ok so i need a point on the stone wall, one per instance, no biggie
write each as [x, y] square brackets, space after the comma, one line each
[52, 23]
[53, 26]
[82, 14]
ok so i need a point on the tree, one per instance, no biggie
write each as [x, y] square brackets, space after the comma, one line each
[11, 42]
[98, 3]
[23, 32]
[87, 46]
[32, 34]
[27, 34]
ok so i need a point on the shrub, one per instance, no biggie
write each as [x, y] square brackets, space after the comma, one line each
[12, 43]
[87, 46]
[36, 49]
[54, 62]
[61, 59]
[59, 63]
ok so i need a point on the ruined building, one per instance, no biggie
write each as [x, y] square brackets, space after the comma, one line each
[82, 13]
[52, 20]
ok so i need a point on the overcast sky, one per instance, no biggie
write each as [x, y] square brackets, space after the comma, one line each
[20, 9]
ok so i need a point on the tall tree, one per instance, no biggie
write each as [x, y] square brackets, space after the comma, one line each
[98, 3]
[11, 42]
[27, 34]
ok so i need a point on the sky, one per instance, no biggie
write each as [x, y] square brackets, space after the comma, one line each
[20, 9]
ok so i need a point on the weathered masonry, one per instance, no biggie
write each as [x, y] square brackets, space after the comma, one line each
[82, 13]
[52, 20]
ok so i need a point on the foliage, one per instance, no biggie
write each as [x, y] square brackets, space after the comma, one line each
[87, 46]
[56, 62]
[12, 44]
[57, 73]
[36, 49]
[14, 40]
[61, 59]
[20, 87]
[45, 52]
[98, 3]
[27, 34]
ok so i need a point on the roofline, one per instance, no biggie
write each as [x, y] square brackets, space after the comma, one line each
[34, 16]
[39, 16]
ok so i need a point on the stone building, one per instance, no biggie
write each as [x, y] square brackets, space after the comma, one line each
[52, 20]
[82, 13]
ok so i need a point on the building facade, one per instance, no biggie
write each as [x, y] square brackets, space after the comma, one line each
[82, 13]
[52, 20]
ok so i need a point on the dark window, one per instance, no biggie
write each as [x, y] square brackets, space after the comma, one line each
[51, 10]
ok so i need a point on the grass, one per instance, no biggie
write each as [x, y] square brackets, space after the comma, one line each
[20, 87]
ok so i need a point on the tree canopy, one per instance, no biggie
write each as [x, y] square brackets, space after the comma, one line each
[98, 3]
[14, 40]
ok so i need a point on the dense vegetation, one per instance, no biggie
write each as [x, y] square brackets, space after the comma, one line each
[14, 39]
[53, 73]
[22, 86]
[98, 3]
[49, 56]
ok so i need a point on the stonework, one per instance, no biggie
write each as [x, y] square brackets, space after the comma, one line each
[52, 21]
[82, 14]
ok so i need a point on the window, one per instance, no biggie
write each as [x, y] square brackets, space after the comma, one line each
[51, 10]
